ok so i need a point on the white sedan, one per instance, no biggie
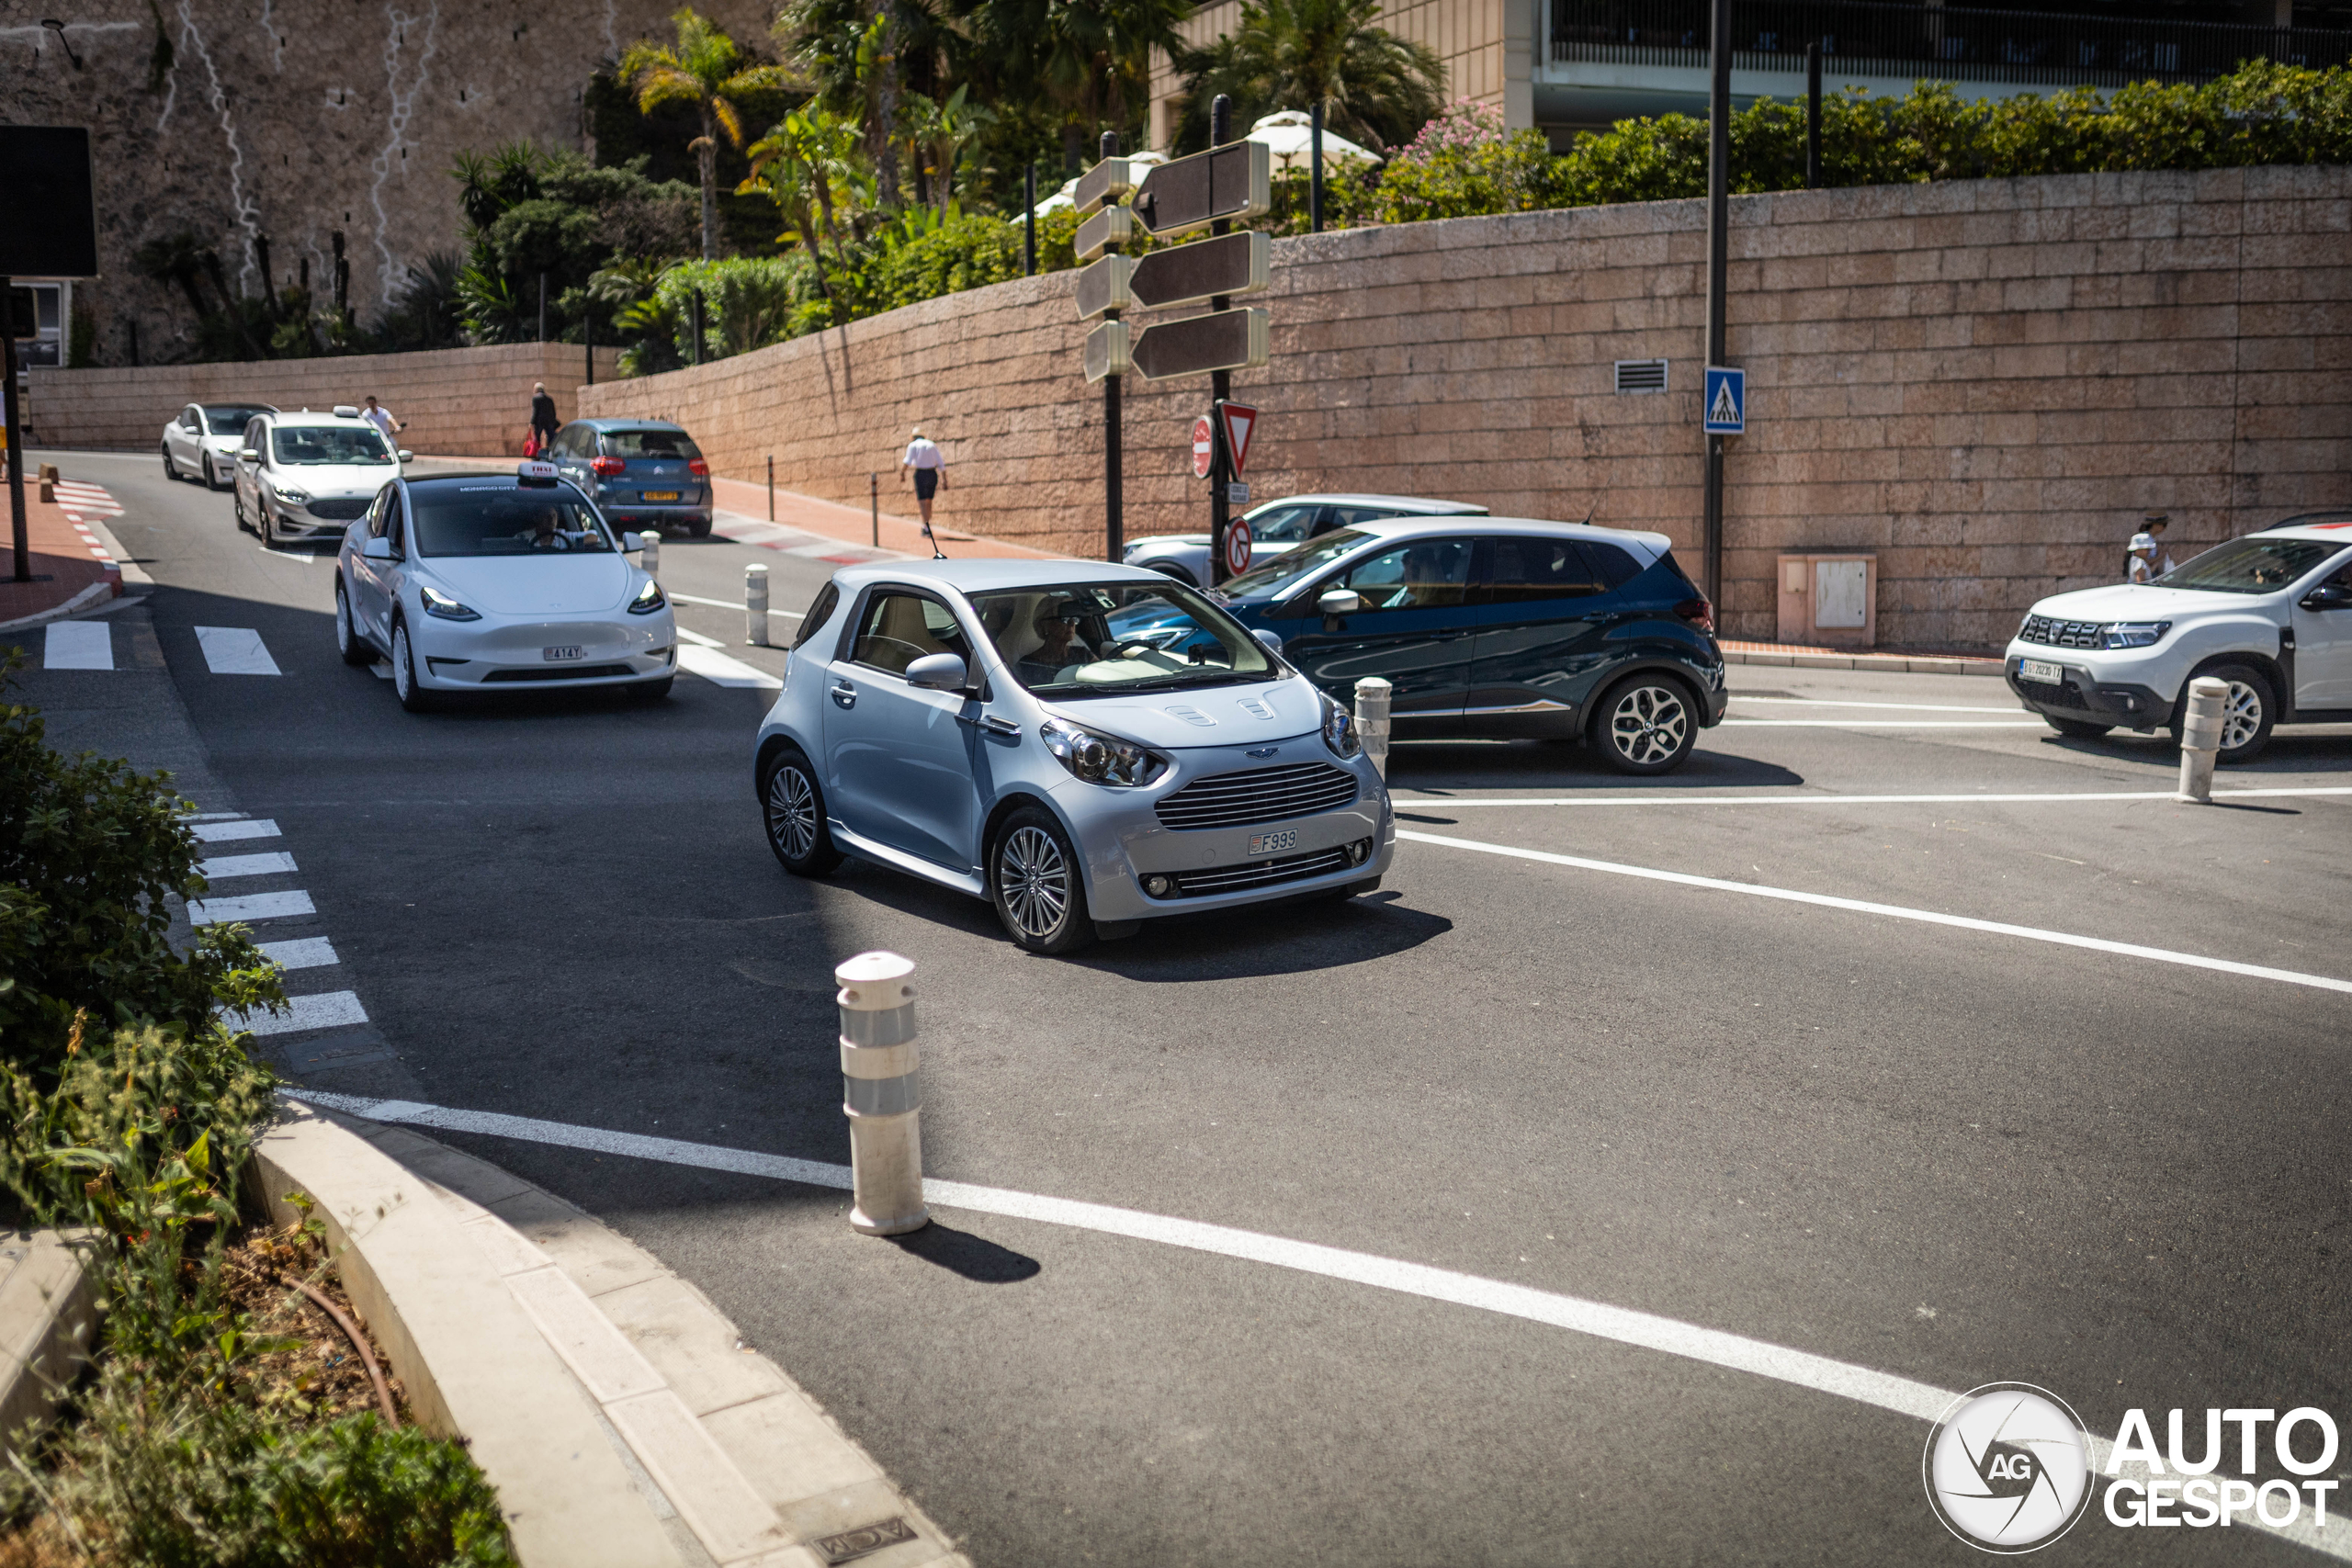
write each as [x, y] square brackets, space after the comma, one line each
[498, 582]
[202, 443]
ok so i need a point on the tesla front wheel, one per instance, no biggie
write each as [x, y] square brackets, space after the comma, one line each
[1035, 883]
[211, 476]
[347, 640]
[1645, 725]
[413, 697]
[793, 804]
[171, 470]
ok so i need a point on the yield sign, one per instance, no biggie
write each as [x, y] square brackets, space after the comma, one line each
[1239, 421]
[1204, 448]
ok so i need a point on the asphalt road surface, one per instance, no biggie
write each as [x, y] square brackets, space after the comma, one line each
[1956, 1154]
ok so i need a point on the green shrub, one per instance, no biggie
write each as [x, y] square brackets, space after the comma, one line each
[156, 1476]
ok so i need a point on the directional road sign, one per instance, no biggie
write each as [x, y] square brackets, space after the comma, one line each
[1727, 404]
[1222, 340]
[1112, 226]
[1204, 448]
[1106, 351]
[1232, 181]
[1186, 275]
[1104, 287]
[1240, 420]
[1105, 182]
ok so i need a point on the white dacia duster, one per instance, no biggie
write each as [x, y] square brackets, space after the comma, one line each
[2269, 612]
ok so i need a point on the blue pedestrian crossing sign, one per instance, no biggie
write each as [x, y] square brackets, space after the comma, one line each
[1726, 405]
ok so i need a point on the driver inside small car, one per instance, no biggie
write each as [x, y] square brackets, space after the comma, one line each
[1057, 629]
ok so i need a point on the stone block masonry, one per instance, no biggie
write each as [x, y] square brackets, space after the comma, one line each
[1985, 382]
[473, 402]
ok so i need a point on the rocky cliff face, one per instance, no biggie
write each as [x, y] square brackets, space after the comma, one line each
[283, 121]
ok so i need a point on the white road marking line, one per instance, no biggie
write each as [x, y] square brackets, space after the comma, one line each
[698, 639]
[1883, 724]
[1893, 911]
[78, 645]
[304, 953]
[270, 864]
[1666, 798]
[724, 605]
[236, 651]
[327, 1010]
[1713, 1347]
[250, 907]
[1907, 708]
[218, 832]
[216, 817]
[721, 670]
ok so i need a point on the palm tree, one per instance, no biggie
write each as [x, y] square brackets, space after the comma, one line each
[1375, 87]
[806, 164]
[1096, 60]
[939, 133]
[704, 68]
[858, 54]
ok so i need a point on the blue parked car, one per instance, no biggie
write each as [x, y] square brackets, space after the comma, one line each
[644, 474]
[1085, 746]
[1501, 628]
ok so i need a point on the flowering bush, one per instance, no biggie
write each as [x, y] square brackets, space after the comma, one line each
[1463, 164]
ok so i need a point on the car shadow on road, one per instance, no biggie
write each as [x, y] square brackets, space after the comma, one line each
[2289, 751]
[975, 1257]
[1441, 767]
[1287, 937]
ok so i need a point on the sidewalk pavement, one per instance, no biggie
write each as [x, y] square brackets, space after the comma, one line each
[1895, 660]
[855, 524]
[76, 565]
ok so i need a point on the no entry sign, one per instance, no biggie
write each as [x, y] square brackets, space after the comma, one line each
[1236, 547]
[1204, 448]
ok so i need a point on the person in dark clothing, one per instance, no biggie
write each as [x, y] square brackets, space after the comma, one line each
[543, 420]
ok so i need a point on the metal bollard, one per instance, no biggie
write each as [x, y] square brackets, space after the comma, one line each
[650, 558]
[755, 606]
[1372, 695]
[879, 1094]
[2200, 736]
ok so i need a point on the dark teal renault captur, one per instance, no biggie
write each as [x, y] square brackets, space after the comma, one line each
[1502, 629]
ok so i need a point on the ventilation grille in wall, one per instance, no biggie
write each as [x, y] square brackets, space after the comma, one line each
[1641, 375]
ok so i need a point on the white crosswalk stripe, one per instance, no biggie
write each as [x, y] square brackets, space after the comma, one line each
[225, 832]
[236, 651]
[303, 952]
[220, 866]
[78, 645]
[723, 670]
[249, 907]
[323, 1010]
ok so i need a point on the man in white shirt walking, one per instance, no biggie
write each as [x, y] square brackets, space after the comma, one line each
[929, 471]
[381, 418]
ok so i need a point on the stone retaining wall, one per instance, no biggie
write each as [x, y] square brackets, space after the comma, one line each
[454, 401]
[1985, 382]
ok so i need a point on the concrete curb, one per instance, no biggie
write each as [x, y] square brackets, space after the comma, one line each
[49, 1321]
[94, 593]
[730, 1459]
[1897, 663]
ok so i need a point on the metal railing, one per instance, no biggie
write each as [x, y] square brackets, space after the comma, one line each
[1863, 38]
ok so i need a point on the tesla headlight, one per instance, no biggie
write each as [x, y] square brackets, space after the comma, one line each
[439, 603]
[291, 496]
[2136, 634]
[1340, 730]
[1099, 759]
[648, 599]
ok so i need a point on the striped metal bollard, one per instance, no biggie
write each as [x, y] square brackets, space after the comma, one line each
[755, 606]
[1372, 695]
[2200, 736]
[879, 1093]
[650, 558]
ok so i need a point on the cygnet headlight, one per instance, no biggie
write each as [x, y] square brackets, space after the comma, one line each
[1100, 758]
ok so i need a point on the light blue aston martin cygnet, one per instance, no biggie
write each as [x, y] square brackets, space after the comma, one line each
[1085, 746]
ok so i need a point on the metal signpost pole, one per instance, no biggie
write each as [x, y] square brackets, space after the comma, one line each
[1029, 222]
[1718, 237]
[20, 545]
[873, 505]
[1315, 168]
[1113, 502]
[588, 336]
[1220, 381]
[1813, 116]
[770, 487]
